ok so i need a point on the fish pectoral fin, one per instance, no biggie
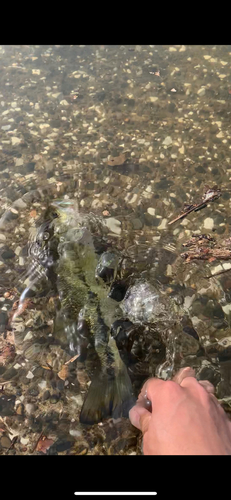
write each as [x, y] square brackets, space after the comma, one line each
[108, 397]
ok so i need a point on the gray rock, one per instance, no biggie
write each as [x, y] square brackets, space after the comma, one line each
[19, 203]
[7, 405]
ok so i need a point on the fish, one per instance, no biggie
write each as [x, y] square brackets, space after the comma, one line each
[84, 306]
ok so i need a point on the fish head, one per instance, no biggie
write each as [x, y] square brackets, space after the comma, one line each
[64, 214]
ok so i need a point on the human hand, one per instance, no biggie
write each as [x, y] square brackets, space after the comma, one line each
[185, 418]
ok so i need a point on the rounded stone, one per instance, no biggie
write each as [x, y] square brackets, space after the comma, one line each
[33, 392]
[7, 253]
[5, 442]
[46, 395]
[54, 398]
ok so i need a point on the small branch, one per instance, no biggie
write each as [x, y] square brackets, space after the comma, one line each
[211, 194]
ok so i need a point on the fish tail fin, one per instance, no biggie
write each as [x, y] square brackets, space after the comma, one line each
[108, 396]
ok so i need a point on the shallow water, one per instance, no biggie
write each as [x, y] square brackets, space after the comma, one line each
[133, 133]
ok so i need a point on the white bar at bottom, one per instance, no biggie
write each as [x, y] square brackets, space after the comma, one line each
[119, 493]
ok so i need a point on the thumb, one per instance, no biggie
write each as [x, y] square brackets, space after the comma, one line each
[140, 417]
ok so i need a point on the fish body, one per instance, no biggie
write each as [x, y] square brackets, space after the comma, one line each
[84, 305]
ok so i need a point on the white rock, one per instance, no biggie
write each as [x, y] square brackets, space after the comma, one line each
[167, 141]
[28, 336]
[201, 92]
[172, 49]
[64, 102]
[133, 199]
[163, 224]
[207, 57]
[78, 399]
[29, 408]
[181, 150]
[182, 49]
[44, 125]
[153, 99]
[42, 384]
[151, 211]
[220, 135]
[113, 224]
[208, 223]
[35, 71]
[17, 366]
[188, 301]
[2, 237]
[14, 104]
[75, 433]
[96, 204]
[30, 375]
[226, 265]
[18, 162]
[15, 140]
[169, 270]
[24, 440]
[56, 95]
[222, 76]
[17, 250]
[226, 308]
[6, 127]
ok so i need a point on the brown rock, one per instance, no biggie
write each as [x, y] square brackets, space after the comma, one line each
[5, 442]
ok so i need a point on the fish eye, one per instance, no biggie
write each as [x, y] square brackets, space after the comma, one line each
[54, 214]
[46, 236]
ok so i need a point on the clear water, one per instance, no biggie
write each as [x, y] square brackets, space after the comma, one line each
[133, 133]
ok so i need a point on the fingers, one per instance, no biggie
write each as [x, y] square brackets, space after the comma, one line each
[140, 414]
[189, 372]
[140, 417]
[207, 386]
[184, 373]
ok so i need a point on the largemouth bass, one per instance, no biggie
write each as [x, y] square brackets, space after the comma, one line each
[87, 312]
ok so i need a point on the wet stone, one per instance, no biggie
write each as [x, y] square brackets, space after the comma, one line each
[30, 408]
[7, 253]
[54, 398]
[137, 224]
[36, 424]
[171, 107]
[218, 219]
[220, 229]
[151, 221]
[60, 446]
[2, 369]
[45, 396]
[3, 320]
[10, 373]
[163, 184]
[30, 166]
[33, 392]
[20, 409]
[7, 405]
[5, 442]
[210, 374]
[25, 380]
